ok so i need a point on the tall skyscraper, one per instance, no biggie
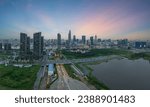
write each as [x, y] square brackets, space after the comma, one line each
[84, 39]
[42, 44]
[59, 41]
[95, 39]
[74, 38]
[37, 45]
[91, 41]
[28, 45]
[7, 46]
[69, 37]
[1, 46]
[24, 45]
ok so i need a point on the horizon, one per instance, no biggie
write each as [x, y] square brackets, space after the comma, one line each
[108, 19]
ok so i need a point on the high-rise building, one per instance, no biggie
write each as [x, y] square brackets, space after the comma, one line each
[37, 45]
[42, 44]
[7, 46]
[59, 41]
[91, 41]
[28, 45]
[69, 37]
[74, 38]
[1, 46]
[84, 39]
[24, 45]
[95, 39]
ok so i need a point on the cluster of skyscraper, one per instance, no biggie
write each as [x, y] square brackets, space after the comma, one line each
[72, 42]
[38, 44]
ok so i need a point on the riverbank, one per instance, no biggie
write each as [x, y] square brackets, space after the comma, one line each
[87, 70]
[90, 78]
[106, 52]
[123, 74]
[71, 72]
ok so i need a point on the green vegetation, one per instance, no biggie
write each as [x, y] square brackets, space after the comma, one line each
[71, 72]
[96, 53]
[110, 51]
[93, 80]
[100, 52]
[106, 52]
[4, 55]
[51, 58]
[144, 55]
[87, 67]
[18, 78]
[90, 78]
[98, 85]
[78, 66]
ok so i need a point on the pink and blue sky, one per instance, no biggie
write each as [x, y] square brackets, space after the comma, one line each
[114, 19]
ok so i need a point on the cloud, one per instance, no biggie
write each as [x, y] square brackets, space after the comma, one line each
[111, 22]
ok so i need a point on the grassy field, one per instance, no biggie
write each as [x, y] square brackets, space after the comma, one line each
[96, 53]
[18, 78]
[106, 52]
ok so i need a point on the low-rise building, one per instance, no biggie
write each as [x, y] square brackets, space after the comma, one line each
[50, 69]
[140, 44]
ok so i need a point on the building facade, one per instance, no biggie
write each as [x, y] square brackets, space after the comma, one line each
[91, 41]
[84, 39]
[37, 45]
[7, 46]
[140, 44]
[24, 45]
[42, 44]
[1, 46]
[58, 41]
[74, 39]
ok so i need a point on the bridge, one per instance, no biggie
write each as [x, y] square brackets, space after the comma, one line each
[67, 61]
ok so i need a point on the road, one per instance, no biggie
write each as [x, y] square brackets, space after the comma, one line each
[64, 82]
[77, 70]
[40, 75]
[81, 76]
[66, 61]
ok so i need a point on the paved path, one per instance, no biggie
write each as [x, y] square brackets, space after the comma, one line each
[64, 82]
[67, 61]
[40, 74]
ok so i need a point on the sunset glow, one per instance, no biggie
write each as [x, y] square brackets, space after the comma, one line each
[113, 19]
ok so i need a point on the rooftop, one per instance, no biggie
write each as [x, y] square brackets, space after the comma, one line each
[50, 68]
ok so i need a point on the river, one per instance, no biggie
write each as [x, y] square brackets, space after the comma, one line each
[124, 74]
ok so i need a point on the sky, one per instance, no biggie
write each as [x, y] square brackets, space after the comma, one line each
[114, 19]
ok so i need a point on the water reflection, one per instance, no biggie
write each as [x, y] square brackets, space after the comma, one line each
[124, 74]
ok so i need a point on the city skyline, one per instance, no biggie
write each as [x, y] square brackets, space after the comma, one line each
[114, 19]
